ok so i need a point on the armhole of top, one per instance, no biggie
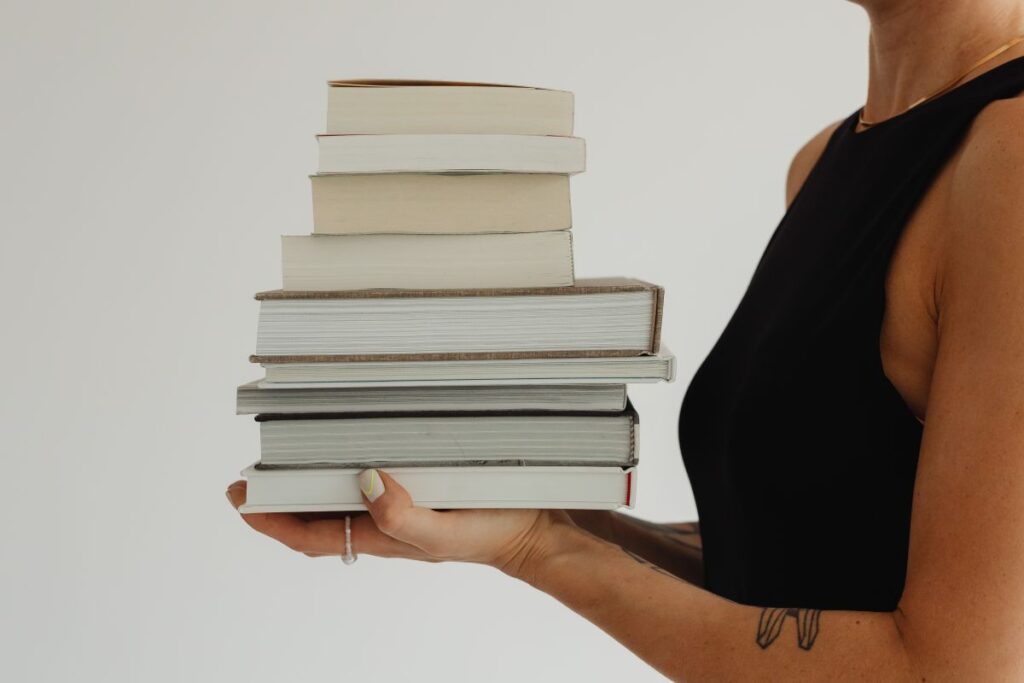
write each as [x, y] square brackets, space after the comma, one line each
[838, 128]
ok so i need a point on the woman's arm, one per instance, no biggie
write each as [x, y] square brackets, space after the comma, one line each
[961, 617]
[674, 547]
[690, 634]
[681, 630]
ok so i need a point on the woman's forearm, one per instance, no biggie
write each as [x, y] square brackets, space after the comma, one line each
[690, 634]
[675, 548]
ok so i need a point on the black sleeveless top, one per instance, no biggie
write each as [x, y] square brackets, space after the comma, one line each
[800, 452]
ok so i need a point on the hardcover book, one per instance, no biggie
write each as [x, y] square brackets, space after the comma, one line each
[396, 439]
[596, 317]
[337, 489]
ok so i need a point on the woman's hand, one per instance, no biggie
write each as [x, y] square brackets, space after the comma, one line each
[511, 540]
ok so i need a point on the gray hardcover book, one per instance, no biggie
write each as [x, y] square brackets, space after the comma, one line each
[388, 439]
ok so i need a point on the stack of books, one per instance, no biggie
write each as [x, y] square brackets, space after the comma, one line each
[432, 325]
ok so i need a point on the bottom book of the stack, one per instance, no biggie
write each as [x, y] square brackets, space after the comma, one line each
[512, 459]
[488, 486]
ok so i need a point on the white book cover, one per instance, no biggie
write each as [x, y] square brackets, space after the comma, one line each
[328, 490]
[255, 397]
[660, 367]
[350, 262]
[446, 153]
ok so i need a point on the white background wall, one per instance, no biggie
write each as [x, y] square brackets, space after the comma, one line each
[151, 154]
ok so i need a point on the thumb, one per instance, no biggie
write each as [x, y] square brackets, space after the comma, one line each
[394, 513]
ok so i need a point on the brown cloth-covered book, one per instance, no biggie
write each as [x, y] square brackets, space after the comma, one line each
[596, 317]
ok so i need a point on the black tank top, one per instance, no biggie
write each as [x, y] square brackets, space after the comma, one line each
[801, 453]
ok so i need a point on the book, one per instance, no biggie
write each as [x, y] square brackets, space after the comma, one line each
[396, 106]
[446, 153]
[353, 262]
[660, 367]
[595, 317]
[337, 489]
[393, 439]
[255, 397]
[440, 203]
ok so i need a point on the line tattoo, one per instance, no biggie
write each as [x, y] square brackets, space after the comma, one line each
[769, 626]
[645, 563]
[686, 534]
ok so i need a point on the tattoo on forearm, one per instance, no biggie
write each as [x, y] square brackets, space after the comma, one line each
[644, 562]
[686, 534]
[769, 626]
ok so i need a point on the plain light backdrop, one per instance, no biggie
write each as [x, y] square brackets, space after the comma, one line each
[151, 153]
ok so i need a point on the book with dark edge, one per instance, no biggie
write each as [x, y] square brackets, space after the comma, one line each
[582, 287]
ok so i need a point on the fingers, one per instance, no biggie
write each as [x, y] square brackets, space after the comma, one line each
[236, 493]
[320, 537]
[288, 529]
[393, 512]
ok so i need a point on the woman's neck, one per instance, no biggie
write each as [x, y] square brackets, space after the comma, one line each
[917, 46]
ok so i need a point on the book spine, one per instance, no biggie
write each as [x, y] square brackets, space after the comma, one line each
[659, 305]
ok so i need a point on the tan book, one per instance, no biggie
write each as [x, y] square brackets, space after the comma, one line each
[403, 106]
[341, 262]
[440, 203]
[596, 317]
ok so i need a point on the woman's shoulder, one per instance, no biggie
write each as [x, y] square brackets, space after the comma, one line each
[988, 172]
[994, 145]
[805, 159]
[984, 206]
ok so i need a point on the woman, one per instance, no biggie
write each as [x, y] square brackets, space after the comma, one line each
[876, 365]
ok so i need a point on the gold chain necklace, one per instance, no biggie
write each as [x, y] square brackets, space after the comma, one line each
[865, 124]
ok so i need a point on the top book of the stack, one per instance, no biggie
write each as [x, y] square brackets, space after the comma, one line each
[410, 107]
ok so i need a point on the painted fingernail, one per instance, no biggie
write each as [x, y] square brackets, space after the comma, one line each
[371, 485]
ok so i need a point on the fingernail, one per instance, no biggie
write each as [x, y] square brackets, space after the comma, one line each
[227, 494]
[371, 485]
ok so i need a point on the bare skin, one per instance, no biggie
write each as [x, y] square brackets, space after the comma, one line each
[951, 343]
